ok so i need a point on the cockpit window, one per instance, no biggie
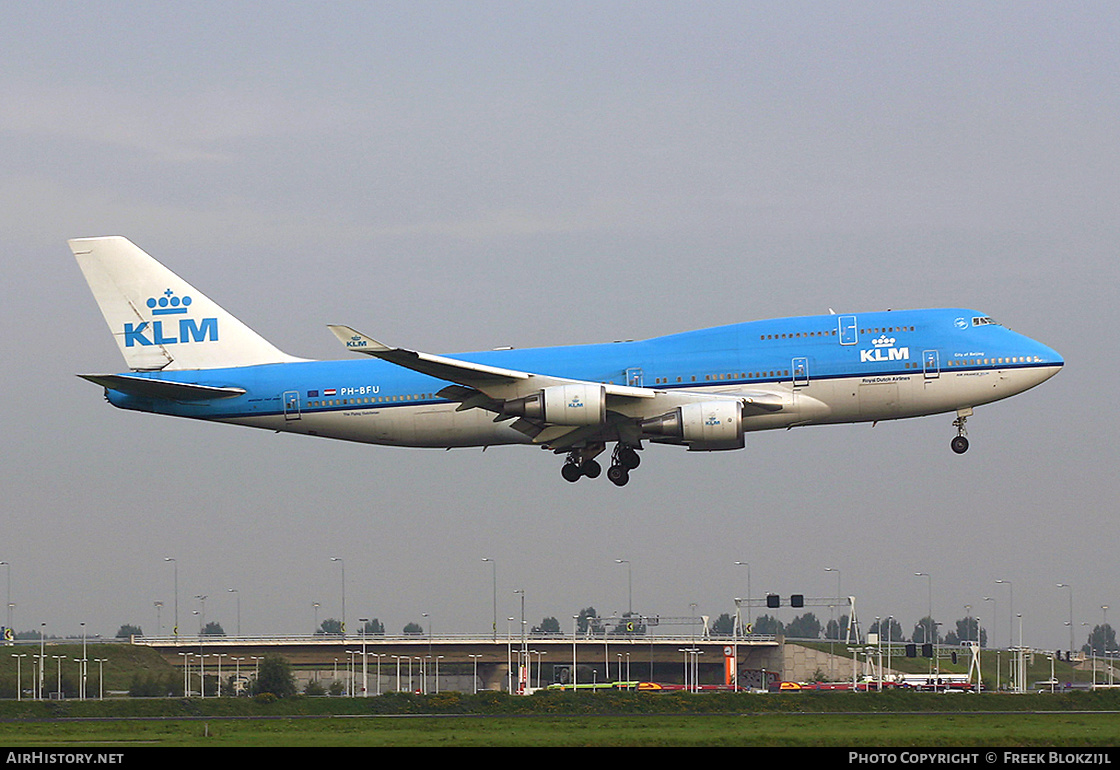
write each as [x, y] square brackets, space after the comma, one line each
[984, 321]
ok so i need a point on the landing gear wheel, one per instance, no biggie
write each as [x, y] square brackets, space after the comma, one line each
[959, 445]
[628, 458]
[591, 469]
[571, 472]
[618, 475]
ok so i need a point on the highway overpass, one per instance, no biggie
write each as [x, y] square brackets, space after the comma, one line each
[488, 662]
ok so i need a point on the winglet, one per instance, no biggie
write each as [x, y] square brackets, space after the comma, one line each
[357, 342]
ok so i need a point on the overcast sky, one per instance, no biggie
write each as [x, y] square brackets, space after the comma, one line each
[461, 176]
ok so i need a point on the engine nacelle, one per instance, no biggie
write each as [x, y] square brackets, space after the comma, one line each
[574, 404]
[706, 426]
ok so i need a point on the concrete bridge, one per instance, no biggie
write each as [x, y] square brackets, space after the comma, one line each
[429, 664]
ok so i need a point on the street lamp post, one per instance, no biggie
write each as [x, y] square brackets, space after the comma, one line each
[343, 565]
[1010, 613]
[365, 687]
[494, 596]
[175, 564]
[1067, 585]
[19, 675]
[929, 604]
[8, 603]
[521, 655]
[748, 566]
[82, 673]
[42, 655]
[629, 586]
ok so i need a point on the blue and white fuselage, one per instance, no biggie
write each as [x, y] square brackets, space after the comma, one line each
[702, 389]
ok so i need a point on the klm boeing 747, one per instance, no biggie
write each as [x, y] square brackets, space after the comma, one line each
[703, 390]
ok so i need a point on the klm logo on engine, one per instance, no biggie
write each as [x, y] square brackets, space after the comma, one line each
[884, 350]
[170, 331]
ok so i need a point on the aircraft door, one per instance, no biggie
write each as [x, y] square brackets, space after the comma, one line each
[634, 377]
[848, 330]
[931, 364]
[800, 372]
[291, 405]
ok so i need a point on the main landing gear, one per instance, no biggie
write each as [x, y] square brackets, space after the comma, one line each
[960, 443]
[581, 463]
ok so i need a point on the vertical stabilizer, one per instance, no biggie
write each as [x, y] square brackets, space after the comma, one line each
[161, 322]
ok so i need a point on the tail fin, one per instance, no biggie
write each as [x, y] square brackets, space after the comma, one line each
[158, 319]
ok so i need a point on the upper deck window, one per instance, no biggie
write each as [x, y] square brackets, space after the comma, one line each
[984, 321]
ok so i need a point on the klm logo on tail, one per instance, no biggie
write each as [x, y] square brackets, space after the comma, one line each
[157, 333]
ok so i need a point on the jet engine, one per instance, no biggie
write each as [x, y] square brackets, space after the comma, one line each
[574, 404]
[705, 426]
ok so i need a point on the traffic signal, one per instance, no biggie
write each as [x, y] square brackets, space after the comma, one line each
[773, 600]
[797, 600]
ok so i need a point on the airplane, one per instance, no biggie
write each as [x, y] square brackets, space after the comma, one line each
[702, 390]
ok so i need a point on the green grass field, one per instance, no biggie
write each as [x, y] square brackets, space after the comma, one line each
[883, 720]
[1082, 730]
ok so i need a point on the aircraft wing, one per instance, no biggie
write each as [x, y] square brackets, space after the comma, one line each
[493, 381]
[479, 386]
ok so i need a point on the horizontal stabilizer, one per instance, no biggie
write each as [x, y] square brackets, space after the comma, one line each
[171, 391]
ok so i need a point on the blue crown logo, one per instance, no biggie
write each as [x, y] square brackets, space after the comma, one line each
[168, 304]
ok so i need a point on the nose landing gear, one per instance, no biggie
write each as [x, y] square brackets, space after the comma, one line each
[960, 443]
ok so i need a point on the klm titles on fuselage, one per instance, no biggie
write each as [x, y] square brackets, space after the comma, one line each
[884, 350]
[155, 333]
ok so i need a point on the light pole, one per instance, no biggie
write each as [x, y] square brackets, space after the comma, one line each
[629, 586]
[42, 655]
[82, 685]
[1067, 585]
[494, 596]
[521, 654]
[833, 569]
[343, 565]
[575, 632]
[748, 566]
[8, 604]
[831, 608]
[100, 677]
[474, 679]
[1010, 613]
[175, 631]
[365, 687]
[994, 614]
[19, 675]
[202, 616]
[929, 604]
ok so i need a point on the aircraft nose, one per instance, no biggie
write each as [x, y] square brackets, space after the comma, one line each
[1050, 356]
